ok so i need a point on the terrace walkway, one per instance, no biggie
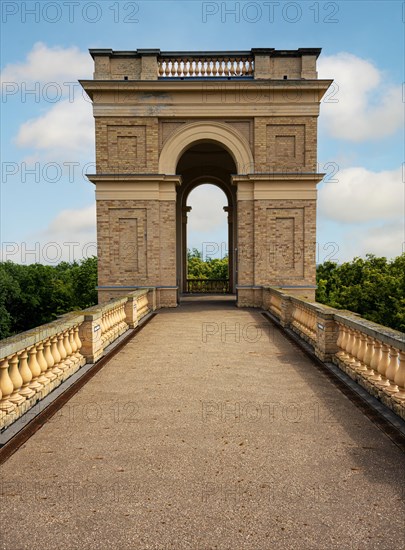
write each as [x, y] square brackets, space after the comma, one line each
[209, 429]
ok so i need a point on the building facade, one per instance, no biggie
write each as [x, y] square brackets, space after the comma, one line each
[166, 122]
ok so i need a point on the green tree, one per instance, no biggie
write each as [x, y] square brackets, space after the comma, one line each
[212, 268]
[31, 295]
[373, 287]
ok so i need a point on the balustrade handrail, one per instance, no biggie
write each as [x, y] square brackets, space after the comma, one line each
[386, 334]
[371, 354]
[35, 362]
[206, 286]
[206, 65]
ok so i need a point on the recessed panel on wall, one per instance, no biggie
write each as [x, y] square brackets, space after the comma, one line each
[128, 243]
[285, 230]
[285, 147]
[127, 148]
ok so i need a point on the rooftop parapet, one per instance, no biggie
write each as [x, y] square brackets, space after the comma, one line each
[256, 64]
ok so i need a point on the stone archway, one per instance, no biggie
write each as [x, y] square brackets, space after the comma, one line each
[151, 108]
[205, 163]
[222, 137]
[196, 132]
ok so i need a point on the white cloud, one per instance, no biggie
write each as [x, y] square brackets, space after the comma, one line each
[362, 105]
[44, 64]
[64, 133]
[359, 195]
[73, 222]
[70, 236]
[207, 214]
[381, 240]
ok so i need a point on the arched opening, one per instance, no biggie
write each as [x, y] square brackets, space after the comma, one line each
[205, 162]
[207, 268]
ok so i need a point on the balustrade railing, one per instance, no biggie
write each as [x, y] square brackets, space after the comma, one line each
[369, 353]
[216, 66]
[275, 304]
[377, 359]
[35, 362]
[304, 321]
[207, 286]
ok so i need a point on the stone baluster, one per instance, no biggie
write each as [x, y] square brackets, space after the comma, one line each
[205, 67]
[368, 356]
[123, 318]
[56, 356]
[43, 365]
[298, 317]
[6, 387]
[383, 366]
[62, 352]
[359, 365]
[340, 340]
[392, 371]
[73, 345]
[115, 326]
[110, 321]
[104, 327]
[26, 376]
[34, 368]
[375, 361]
[17, 381]
[345, 344]
[68, 348]
[2, 413]
[350, 359]
[78, 343]
[303, 320]
[229, 67]
[50, 361]
[399, 378]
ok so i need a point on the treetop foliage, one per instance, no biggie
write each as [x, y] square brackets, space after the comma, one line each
[212, 268]
[31, 295]
[373, 287]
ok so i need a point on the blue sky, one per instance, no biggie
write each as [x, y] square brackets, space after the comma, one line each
[47, 136]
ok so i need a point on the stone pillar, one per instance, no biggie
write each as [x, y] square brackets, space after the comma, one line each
[231, 261]
[327, 335]
[184, 219]
[90, 336]
[149, 65]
